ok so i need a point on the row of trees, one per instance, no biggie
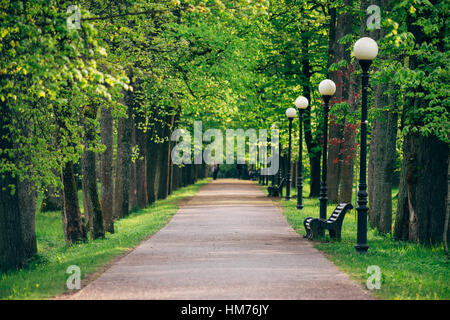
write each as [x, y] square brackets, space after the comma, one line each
[409, 98]
[101, 101]
[304, 43]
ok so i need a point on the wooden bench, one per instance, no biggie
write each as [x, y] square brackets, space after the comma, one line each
[276, 191]
[314, 226]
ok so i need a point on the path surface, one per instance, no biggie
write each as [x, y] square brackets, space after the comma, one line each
[228, 242]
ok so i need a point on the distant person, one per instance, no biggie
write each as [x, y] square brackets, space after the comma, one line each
[215, 171]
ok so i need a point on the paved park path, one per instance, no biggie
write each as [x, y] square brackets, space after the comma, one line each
[227, 242]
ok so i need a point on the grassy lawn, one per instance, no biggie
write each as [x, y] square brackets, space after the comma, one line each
[408, 270]
[46, 275]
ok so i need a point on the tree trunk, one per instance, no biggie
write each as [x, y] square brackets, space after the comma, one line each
[348, 163]
[133, 183]
[17, 205]
[152, 159]
[11, 244]
[447, 214]
[175, 182]
[312, 141]
[421, 204]
[192, 174]
[141, 167]
[74, 230]
[338, 52]
[382, 143]
[107, 168]
[170, 182]
[92, 206]
[164, 160]
[314, 160]
[27, 206]
[423, 187]
[335, 138]
[186, 174]
[381, 162]
[153, 162]
[123, 162]
[17, 222]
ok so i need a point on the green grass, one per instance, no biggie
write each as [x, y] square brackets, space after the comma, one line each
[409, 270]
[46, 275]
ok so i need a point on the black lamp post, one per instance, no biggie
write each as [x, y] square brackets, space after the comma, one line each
[290, 113]
[327, 88]
[301, 103]
[365, 50]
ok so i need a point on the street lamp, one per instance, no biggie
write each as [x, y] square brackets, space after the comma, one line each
[327, 88]
[365, 50]
[301, 103]
[290, 113]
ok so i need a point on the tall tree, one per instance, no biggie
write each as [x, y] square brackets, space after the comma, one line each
[383, 137]
[74, 230]
[141, 164]
[341, 23]
[163, 190]
[422, 201]
[12, 247]
[92, 206]
[107, 168]
[312, 140]
[133, 183]
[123, 161]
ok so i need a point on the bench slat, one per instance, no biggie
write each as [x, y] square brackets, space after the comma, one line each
[332, 224]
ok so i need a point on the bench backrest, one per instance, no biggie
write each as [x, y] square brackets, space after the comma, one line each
[339, 213]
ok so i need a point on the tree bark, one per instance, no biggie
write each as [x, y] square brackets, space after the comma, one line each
[423, 187]
[153, 155]
[27, 206]
[11, 244]
[170, 182]
[382, 143]
[17, 217]
[312, 141]
[421, 205]
[381, 162]
[123, 162]
[107, 168]
[133, 183]
[343, 26]
[92, 206]
[335, 138]
[17, 205]
[447, 214]
[163, 190]
[141, 166]
[74, 230]
[152, 159]
[175, 182]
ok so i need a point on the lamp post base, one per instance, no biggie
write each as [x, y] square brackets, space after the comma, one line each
[300, 206]
[361, 248]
